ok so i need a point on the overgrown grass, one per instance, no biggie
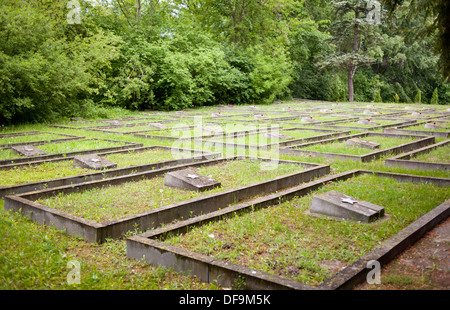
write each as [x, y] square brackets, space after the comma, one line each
[438, 155]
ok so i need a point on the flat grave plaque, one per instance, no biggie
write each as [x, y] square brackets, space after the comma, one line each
[93, 161]
[433, 126]
[190, 179]
[341, 206]
[158, 125]
[27, 150]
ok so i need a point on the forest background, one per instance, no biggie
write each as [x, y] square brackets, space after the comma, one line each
[61, 58]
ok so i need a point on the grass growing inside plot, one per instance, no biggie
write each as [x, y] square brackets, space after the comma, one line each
[66, 147]
[53, 170]
[376, 122]
[286, 241]
[343, 148]
[30, 138]
[438, 155]
[114, 202]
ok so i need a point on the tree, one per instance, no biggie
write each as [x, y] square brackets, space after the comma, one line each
[353, 34]
[434, 98]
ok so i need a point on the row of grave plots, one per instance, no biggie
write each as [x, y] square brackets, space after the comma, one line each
[238, 219]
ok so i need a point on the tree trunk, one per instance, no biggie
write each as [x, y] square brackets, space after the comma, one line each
[352, 67]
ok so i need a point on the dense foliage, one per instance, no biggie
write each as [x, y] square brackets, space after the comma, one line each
[61, 58]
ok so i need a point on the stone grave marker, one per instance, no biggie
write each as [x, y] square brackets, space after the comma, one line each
[366, 122]
[416, 114]
[341, 206]
[212, 129]
[216, 114]
[93, 161]
[362, 143]
[27, 150]
[190, 179]
[259, 116]
[433, 126]
[308, 119]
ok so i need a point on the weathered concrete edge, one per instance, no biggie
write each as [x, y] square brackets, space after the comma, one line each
[142, 246]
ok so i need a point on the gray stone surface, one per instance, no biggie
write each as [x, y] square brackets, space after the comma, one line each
[341, 206]
[212, 129]
[362, 143]
[190, 179]
[259, 116]
[113, 122]
[27, 150]
[93, 161]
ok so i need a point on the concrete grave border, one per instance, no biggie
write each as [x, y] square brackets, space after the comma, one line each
[405, 147]
[405, 160]
[146, 247]
[77, 179]
[37, 142]
[36, 160]
[376, 127]
[330, 133]
[99, 232]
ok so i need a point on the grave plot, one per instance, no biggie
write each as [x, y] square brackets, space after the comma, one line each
[7, 140]
[276, 137]
[314, 120]
[368, 124]
[154, 126]
[32, 155]
[436, 128]
[432, 157]
[201, 132]
[273, 242]
[110, 208]
[51, 174]
[361, 147]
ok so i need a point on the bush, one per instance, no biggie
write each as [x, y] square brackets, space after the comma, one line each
[434, 98]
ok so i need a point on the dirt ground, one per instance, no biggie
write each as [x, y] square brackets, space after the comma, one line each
[423, 266]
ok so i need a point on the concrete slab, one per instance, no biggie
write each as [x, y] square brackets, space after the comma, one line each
[27, 150]
[93, 161]
[338, 205]
[190, 179]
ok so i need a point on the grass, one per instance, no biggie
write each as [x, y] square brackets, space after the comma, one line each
[445, 127]
[114, 202]
[283, 240]
[343, 148]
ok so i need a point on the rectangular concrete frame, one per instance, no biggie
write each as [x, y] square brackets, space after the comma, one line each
[38, 142]
[405, 147]
[99, 232]
[207, 269]
[398, 129]
[405, 160]
[330, 133]
[36, 160]
[77, 179]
